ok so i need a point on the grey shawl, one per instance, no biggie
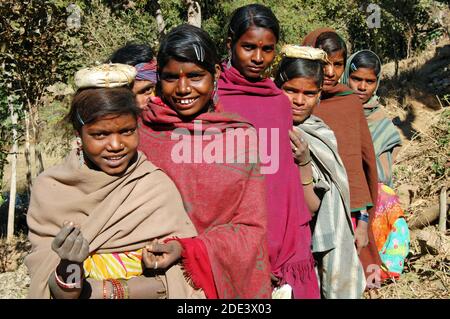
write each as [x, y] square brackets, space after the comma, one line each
[341, 273]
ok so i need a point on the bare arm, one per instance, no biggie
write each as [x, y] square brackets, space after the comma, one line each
[311, 198]
[303, 159]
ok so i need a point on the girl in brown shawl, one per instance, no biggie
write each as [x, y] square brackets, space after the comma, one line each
[90, 217]
[342, 111]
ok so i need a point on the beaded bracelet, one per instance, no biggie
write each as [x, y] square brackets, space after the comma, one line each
[126, 289]
[118, 291]
[118, 288]
[104, 289]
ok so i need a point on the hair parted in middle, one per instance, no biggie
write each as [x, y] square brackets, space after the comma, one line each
[331, 42]
[290, 68]
[252, 15]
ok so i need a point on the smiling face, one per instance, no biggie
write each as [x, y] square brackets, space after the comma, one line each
[304, 96]
[253, 52]
[364, 82]
[110, 143]
[333, 70]
[143, 90]
[186, 87]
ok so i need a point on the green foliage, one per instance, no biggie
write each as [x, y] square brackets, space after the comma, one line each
[8, 98]
[32, 39]
[38, 49]
[441, 131]
[406, 26]
[104, 28]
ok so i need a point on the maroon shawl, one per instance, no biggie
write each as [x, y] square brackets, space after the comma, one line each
[266, 107]
[342, 111]
[344, 115]
[225, 201]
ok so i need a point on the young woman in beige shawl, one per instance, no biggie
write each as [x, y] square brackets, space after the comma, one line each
[91, 216]
[324, 178]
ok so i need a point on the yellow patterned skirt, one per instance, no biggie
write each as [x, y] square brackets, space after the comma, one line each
[114, 266]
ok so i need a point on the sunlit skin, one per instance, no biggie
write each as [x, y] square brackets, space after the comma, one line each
[187, 88]
[333, 70]
[253, 52]
[304, 95]
[110, 143]
[364, 82]
[143, 89]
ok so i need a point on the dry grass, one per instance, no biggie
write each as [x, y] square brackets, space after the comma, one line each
[424, 163]
[13, 253]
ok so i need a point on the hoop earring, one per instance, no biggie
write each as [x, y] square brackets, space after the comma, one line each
[229, 59]
[215, 94]
[80, 153]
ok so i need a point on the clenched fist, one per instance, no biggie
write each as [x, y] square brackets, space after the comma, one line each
[70, 245]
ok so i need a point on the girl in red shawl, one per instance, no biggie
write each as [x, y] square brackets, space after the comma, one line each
[342, 111]
[183, 133]
[252, 36]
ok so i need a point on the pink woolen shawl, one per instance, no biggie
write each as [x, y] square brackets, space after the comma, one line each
[289, 235]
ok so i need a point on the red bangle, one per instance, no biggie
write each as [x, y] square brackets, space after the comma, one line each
[118, 290]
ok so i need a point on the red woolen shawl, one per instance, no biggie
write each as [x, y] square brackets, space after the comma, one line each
[224, 201]
[289, 235]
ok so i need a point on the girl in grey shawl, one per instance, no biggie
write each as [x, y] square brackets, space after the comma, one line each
[324, 179]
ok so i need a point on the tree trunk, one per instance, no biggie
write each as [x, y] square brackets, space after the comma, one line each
[34, 118]
[160, 20]
[194, 13]
[409, 38]
[13, 190]
[27, 151]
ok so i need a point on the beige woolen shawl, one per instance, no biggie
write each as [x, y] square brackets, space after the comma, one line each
[116, 214]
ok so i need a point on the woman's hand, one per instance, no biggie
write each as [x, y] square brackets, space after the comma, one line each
[299, 146]
[161, 255]
[361, 235]
[275, 280]
[70, 245]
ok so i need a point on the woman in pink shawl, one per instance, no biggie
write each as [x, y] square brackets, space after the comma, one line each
[252, 35]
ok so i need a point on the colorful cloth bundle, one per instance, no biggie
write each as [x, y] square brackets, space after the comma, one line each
[147, 71]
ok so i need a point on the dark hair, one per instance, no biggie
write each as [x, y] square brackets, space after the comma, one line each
[251, 15]
[90, 104]
[366, 59]
[331, 42]
[290, 68]
[187, 43]
[132, 54]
